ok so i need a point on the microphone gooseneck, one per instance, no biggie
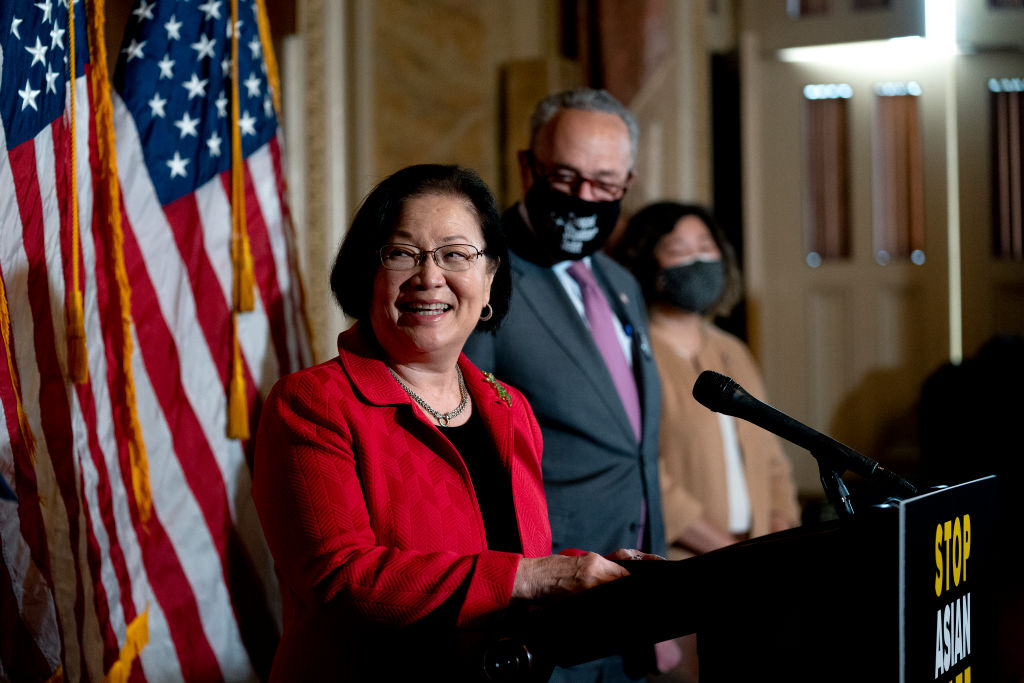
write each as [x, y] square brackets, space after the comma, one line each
[722, 394]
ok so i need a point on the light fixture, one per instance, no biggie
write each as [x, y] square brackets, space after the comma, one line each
[939, 41]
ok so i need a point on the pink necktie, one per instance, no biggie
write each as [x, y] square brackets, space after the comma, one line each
[602, 328]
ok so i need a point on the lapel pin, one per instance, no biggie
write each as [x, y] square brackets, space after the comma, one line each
[498, 388]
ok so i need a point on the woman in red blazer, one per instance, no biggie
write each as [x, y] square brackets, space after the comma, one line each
[399, 487]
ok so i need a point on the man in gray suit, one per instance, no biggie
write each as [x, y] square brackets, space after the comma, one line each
[600, 429]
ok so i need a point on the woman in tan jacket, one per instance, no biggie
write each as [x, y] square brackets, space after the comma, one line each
[722, 479]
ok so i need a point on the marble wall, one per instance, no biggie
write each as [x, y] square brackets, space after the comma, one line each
[435, 85]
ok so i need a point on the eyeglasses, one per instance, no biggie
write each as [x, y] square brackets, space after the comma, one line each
[569, 181]
[453, 257]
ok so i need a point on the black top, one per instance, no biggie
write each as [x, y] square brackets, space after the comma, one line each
[491, 482]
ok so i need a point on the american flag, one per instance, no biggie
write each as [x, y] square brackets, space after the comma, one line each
[133, 550]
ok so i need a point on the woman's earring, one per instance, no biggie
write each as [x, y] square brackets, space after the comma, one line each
[487, 316]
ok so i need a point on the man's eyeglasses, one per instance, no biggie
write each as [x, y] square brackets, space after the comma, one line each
[569, 181]
[454, 257]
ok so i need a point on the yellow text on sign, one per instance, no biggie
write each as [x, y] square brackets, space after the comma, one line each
[952, 548]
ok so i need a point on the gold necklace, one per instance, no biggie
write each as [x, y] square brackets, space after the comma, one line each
[442, 418]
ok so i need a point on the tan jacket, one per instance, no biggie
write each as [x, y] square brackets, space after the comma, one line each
[691, 465]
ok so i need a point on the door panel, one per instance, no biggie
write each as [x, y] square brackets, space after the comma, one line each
[844, 345]
[993, 289]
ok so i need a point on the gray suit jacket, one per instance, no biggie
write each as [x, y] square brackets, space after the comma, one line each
[595, 474]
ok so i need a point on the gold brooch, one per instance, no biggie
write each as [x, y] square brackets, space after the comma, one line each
[498, 388]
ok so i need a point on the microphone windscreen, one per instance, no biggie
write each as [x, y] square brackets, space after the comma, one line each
[713, 390]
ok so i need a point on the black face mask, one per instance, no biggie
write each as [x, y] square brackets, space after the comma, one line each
[693, 286]
[568, 227]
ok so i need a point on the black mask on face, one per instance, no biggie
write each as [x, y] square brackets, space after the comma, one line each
[568, 227]
[693, 286]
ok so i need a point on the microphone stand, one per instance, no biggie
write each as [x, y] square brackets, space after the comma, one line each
[835, 489]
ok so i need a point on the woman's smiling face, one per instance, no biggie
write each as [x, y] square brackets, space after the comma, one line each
[426, 313]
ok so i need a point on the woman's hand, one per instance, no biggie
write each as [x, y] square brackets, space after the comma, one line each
[556, 575]
[633, 554]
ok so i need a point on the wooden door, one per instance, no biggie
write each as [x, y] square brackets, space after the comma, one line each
[845, 342]
[990, 96]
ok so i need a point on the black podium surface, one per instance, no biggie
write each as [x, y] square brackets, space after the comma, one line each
[901, 592]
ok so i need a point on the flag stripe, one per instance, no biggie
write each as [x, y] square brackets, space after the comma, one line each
[160, 356]
[295, 322]
[179, 648]
[20, 593]
[200, 466]
[26, 554]
[18, 648]
[159, 264]
[104, 327]
[23, 481]
[211, 308]
[78, 566]
[96, 622]
[97, 529]
[265, 266]
[59, 425]
[45, 387]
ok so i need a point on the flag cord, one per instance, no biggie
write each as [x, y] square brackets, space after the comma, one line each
[241, 257]
[268, 55]
[274, 81]
[111, 197]
[78, 355]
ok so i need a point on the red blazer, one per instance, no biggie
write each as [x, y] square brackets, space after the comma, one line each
[373, 522]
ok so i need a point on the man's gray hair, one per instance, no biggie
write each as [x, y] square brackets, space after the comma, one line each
[587, 99]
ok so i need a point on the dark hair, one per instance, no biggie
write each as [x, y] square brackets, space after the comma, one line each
[635, 250]
[356, 264]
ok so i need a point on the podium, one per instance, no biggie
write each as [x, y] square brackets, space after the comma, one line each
[903, 591]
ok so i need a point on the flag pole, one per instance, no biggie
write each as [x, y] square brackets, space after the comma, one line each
[78, 352]
[241, 257]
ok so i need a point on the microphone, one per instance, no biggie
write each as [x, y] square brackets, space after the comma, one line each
[721, 394]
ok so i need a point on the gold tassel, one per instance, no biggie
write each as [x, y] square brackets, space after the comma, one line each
[108, 193]
[238, 405]
[245, 277]
[78, 354]
[136, 637]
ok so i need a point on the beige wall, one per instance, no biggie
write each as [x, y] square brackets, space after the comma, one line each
[371, 87]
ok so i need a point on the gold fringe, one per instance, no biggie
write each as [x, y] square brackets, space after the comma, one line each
[5, 326]
[57, 676]
[273, 77]
[136, 637]
[78, 353]
[241, 256]
[108, 192]
[267, 42]
[238, 405]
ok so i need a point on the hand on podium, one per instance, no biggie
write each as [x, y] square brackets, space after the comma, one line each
[572, 572]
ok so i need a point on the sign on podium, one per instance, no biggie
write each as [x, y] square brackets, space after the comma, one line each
[901, 592]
